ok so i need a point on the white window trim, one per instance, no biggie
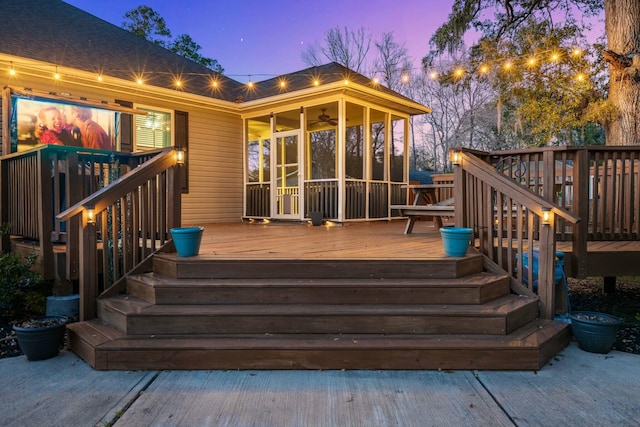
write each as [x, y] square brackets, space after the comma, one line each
[161, 110]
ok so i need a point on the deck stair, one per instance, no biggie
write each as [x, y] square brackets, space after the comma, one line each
[209, 313]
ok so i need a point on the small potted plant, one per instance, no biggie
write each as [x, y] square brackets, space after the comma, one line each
[22, 294]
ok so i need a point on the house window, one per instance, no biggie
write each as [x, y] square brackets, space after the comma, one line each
[153, 130]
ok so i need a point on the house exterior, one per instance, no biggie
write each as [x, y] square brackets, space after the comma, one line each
[321, 139]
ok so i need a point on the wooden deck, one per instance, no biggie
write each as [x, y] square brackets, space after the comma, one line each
[362, 240]
[294, 296]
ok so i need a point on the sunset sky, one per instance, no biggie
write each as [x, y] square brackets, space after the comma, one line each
[262, 39]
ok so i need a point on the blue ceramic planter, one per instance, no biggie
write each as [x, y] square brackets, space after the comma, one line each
[187, 240]
[595, 332]
[456, 240]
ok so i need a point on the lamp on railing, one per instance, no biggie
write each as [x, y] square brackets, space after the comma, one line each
[455, 157]
[546, 216]
[180, 155]
[91, 215]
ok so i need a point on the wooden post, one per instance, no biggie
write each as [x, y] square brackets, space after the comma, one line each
[458, 195]
[581, 209]
[45, 215]
[174, 198]
[88, 276]
[548, 175]
[5, 241]
[73, 184]
[546, 269]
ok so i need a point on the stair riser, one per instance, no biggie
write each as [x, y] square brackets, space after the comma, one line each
[320, 269]
[453, 358]
[255, 324]
[319, 295]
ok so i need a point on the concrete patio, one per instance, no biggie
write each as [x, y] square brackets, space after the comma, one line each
[574, 388]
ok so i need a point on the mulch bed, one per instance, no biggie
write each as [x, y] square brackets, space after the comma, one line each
[584, 294]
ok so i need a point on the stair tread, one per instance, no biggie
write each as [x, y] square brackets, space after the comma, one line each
[528, 336]
[497, 307]
[471, 281]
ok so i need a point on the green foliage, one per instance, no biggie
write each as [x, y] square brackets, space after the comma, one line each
[185, 46]
[21, 290]
[145, 22]
[547, 93]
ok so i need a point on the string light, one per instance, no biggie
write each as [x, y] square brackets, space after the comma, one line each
[250, 84]
[346, 82]
[316, 82]
[405, 78]
[214, 84]
[433, 75]
[459, 72]
[99, 77]
[577, 52]
[178, 83]
[283, 83]
[12, 71]
[531, 62]
[507, 66]
[56, 75]
[376, 81]
[555, 57]
[139, 81]
[484, 69]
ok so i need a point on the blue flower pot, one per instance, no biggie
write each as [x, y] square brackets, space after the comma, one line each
[187, 240]
[456, 240]
[595, 332]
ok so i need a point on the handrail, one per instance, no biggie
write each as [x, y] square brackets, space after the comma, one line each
[108, 195]
[505, 215]
[131, 217]
[513, 190]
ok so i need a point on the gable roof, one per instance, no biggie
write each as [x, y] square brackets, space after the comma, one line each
[55, 32]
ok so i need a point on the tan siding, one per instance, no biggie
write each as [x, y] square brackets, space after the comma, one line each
[215, 174]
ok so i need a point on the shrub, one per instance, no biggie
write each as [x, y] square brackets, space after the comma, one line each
[21, 290]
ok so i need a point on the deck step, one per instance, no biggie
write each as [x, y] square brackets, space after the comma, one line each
[529, 347]
[213, 267]
[138, 317]
[472, 289]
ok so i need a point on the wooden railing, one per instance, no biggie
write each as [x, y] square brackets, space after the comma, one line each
[36, 185]
[131, 218]
[509, 222]
[599, 184]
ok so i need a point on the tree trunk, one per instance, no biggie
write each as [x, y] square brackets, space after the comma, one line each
[623, 38]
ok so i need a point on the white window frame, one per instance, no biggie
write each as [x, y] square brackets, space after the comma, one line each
[160, 110]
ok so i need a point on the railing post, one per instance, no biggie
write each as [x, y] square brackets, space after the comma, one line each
[580, 208]
[174, 198]
[45, 215]
[88, 268]
[546, 272]
[548, 175]
[73, 184]
[460, 212]
[5, 241]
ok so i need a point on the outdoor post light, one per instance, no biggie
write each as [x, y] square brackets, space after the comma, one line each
[91, 215]
[546, 216]
[180, 155]
[455, 157]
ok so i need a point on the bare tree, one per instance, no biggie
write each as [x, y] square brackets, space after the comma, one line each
[349, 48]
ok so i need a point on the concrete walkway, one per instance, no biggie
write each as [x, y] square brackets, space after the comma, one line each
[575, 388]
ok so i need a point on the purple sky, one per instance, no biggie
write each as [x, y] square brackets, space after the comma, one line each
[266, 38]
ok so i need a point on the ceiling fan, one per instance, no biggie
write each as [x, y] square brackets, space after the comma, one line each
[324, 118]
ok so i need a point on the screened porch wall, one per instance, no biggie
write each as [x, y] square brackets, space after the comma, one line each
[361, 183]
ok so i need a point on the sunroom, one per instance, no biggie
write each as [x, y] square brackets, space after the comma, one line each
[343, 153]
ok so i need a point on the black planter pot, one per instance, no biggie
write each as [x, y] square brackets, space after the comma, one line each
[316, 217]
[41, 342]
[595, 332]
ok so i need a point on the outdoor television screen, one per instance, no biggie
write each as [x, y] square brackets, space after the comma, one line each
[42, 121]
